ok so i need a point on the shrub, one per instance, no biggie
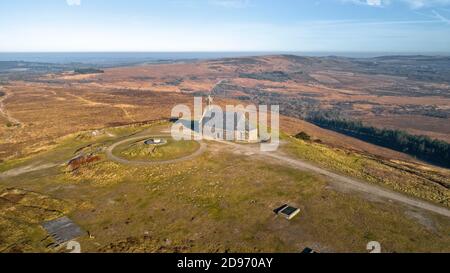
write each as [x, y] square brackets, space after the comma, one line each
[303, 136]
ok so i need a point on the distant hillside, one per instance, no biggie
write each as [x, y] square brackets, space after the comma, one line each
[88, 71]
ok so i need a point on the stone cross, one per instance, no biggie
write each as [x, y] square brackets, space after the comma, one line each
[209, 100]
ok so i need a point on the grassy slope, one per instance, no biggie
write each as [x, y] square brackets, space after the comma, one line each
[425, 182]
[218, 202]
[171, 150]
[21, 212]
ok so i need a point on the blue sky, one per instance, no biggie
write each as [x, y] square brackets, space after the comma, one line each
[225, 25]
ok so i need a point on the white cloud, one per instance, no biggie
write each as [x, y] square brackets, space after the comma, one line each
[373, 3]
[231, 3]
[417, 4]
[73, 2]
[414, 4]
[441, 17]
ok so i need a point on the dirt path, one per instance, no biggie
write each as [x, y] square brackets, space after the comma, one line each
[277, 158]
[211, 92]
[281, 158]
[87, 101]
[3, 110]
[27, 169]
[348, 182]
[121, 107]
[112, 157]
[125, 111]
[345, 181]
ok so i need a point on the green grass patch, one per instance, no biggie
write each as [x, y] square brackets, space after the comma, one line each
[169, 151]
[415, 182]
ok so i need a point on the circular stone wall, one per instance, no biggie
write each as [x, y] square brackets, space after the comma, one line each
[153, 150]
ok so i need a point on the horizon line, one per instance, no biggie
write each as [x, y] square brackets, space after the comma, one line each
[226, 51]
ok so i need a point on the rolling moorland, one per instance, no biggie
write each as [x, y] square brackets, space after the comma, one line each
[222, 199]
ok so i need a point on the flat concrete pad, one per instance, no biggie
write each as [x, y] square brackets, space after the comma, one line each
[63, 230]
[287, 211]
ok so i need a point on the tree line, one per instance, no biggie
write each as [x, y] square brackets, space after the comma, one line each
[422, 147]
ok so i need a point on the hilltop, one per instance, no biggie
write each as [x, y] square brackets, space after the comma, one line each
[59, 157]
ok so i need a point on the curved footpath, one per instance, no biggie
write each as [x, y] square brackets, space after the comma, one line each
[346, 181]
[3, 110]
[279, 157]
[110, 155]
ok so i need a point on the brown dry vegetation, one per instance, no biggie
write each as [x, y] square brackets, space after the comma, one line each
[71, 103]
[221, 201]
[219, 193]
[21, 213]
